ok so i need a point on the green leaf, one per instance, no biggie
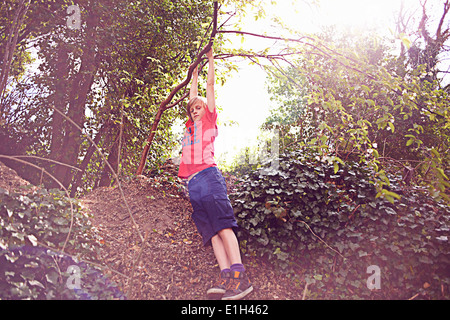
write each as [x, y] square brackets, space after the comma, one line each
[318, 277]
[441, 171]
[391, 125]
[436, 153]
[336, 167]
[406, 42]
[365, 88]
[339, 160]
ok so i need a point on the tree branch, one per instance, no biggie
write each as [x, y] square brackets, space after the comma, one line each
[318, 47]
[166, 103]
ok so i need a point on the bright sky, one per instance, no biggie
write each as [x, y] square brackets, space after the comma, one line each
[244, 96]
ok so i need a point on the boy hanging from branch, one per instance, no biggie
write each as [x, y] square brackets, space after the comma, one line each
[212, 211]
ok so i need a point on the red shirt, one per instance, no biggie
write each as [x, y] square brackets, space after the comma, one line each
[198, 145]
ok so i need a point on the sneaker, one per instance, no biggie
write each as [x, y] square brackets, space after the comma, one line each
[219, 290]
[238, 287]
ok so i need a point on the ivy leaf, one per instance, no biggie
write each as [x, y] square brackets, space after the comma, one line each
[36, 283]
[32, 239]
[52, 277]
[362, 253]
[390, 211]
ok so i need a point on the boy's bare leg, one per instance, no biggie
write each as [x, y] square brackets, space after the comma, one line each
[231, 245]
[220, 252]
[234, 284]
[217, 291]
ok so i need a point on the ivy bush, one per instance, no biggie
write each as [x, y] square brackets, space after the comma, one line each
[31, 225]
[283, 212]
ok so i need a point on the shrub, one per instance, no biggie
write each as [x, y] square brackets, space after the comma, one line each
[284, 212]
[30, 225]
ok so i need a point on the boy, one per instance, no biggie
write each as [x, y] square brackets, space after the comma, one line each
[213, 214]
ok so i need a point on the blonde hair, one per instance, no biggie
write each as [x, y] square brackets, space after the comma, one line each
[194, 101]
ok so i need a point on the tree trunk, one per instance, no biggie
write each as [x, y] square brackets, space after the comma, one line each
[81, 87]
[59, 101]
[11, 43]
[106, 177]
[87, 158]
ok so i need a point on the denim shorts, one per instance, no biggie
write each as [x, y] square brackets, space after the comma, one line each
[212, 207]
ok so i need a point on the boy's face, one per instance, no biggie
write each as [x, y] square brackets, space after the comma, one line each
[197, 111]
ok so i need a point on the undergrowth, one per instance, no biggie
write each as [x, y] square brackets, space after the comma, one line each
[34, 228]
[327, 229]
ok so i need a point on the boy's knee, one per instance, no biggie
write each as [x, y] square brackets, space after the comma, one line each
[225, 232]
[215, 238]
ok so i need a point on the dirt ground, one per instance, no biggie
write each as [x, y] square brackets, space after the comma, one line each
[173, 264]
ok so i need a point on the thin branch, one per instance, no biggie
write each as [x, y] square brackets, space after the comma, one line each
[185, 95]
[299, 40]
[414, 296]
[441, 22]
[49, 160]
[82, 260]
[107, 164]
[135, 263]
[305, 291]
[321, 239]
[322, 49]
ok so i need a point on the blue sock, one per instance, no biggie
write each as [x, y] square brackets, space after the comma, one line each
[226, 270]
[237, 267]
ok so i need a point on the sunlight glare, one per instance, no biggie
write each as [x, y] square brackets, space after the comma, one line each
[307, 17]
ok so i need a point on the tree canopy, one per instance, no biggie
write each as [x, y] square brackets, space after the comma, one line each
[108, 76]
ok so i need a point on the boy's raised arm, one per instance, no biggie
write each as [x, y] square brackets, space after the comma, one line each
[194, 86]
[210, 96]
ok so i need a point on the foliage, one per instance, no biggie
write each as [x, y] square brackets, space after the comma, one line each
[291, 115]
[363, 104]
[108, 77]
[327, 227]
[41, 274]
[33, 229]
